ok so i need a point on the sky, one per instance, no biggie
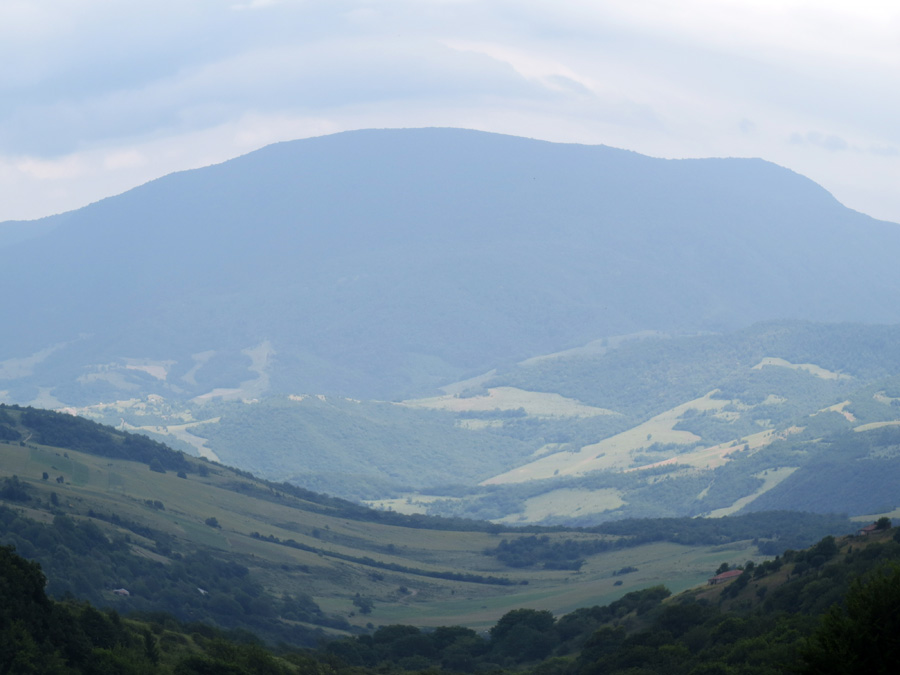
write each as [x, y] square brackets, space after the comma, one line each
[99, 96]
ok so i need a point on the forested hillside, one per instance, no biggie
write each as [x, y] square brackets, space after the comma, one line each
[827, 609]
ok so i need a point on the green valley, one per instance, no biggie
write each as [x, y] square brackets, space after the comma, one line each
[829, 608]
[287, 561]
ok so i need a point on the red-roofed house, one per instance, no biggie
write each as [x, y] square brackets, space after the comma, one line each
[725, 576]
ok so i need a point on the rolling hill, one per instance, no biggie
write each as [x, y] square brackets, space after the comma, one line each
[104, 511]
[177, 594]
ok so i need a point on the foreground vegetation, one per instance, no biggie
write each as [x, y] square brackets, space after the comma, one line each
[827, 609]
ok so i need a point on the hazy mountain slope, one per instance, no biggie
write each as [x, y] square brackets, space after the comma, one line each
[382, 263]
[778, 415]
[781, 415]
[356, 449]
[643, 377]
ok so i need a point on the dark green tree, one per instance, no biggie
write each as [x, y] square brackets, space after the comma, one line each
[862, 636]
[523, 634]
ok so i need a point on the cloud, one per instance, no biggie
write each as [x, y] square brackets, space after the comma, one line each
[289, 74]
[548, 73]
[885, 151]
[829, 142]
[255, 4]
[51, 170]
[125, 159]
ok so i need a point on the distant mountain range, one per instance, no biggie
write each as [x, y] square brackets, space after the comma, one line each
[384, 264]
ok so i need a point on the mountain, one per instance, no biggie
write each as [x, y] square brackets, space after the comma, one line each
[387, 263]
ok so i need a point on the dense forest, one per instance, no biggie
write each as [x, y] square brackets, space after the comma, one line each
[43, 636]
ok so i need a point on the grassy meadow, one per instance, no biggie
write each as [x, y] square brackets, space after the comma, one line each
[339, 557]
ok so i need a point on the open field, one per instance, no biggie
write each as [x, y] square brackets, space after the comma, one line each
[614, 452]
[533, 403]
[567, 502]
[810, 368]
[676, 567]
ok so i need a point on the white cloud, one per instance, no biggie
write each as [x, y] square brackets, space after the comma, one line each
[51, 169]
[530, 66]
[97, 93]
[256, 4]
[125, 159]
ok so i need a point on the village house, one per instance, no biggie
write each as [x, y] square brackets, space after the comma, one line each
[725, 576]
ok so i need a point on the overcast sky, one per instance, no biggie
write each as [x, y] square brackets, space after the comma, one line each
[98, 96]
